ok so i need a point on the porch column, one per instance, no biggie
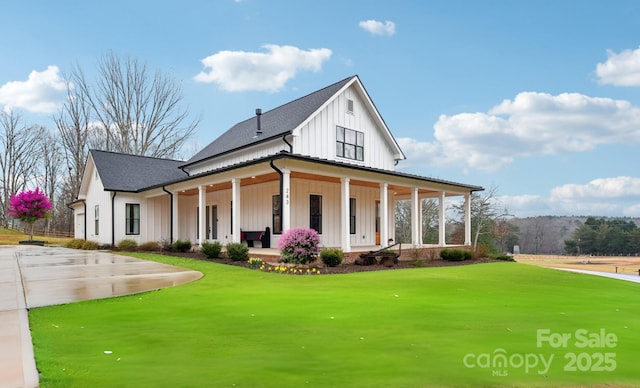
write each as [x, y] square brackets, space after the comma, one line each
[345, 236]
[467, 219]
[441, 220]
[235, 210]
[202, 203]
[176, 220]
[384, 214]
[415, 218]
[286, 199]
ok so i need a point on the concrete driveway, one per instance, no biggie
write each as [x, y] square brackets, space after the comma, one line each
[32, 276]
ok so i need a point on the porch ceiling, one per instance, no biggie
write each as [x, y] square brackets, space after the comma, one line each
[258, 179]
[253, 180]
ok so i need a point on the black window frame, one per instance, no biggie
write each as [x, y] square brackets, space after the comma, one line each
[349, 143]
[352, 216]
[315, 212]
[276, 214]
[130, 221]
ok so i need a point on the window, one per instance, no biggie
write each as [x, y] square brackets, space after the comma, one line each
[276, 214]
[132, 218]
[349, 106]
[97, 220]
[315, 212]
[352, 215]
[349, 143]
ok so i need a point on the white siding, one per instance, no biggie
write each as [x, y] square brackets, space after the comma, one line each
[96, 196]
[365, 211]
[246, 154]
[318, 137]
[155, 219]
[120, 217]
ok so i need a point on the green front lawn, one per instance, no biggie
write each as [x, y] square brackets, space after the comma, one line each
[452, 326]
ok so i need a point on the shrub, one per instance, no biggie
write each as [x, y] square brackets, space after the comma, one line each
[237, 252]
[75, 243]
[299, 245]
[181, 246]
[149, 246]
[482, 250]
[211, 250]
[166, 245]
[455, 254]
[331, 257]
[128, 245]
[90, 245]
[501, 256]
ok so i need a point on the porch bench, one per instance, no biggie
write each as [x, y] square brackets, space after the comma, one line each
[250, 236]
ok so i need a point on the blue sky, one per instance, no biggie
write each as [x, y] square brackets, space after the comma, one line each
[540, 99]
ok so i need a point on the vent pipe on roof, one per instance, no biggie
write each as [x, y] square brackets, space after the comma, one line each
[259, 129]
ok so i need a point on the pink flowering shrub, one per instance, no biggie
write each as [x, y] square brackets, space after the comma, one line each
[299, 245]
[29, 206]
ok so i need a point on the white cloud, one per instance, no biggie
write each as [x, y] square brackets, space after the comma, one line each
[42, 92]
[375, 27]
[531, 124]
[613, 196]
[236, 71]
[621, 69]
[622, 187]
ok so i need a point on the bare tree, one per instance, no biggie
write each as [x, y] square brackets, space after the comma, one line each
[135, 112]
[403, 221]
[484, 210]
[73, 122]
[19, 156]
[429, 221]
[49, 177]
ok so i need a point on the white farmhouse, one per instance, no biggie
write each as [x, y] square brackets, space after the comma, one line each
[325, 161]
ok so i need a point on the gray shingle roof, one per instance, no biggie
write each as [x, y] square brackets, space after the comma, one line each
[132, 173]
[274, 123]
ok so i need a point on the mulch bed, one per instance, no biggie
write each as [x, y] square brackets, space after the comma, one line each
[344, 267]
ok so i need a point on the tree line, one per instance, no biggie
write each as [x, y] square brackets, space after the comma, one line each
[599, 236]
[124, 108]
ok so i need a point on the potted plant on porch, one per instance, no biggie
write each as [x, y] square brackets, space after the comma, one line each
[29, 206]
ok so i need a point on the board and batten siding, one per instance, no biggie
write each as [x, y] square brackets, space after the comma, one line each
[155, 219]
[317, 138]
[244, 155]
[330, 237]
[256, 211]
[120, 217]
[96, 196]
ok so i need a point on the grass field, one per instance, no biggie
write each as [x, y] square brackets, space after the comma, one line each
[498, 324]
[628, 265]
[12, 237]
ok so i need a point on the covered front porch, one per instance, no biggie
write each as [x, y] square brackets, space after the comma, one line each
[351, 207]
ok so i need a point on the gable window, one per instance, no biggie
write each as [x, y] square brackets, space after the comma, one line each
[315, 213]
[96, 218]
[276, 214]
[352, 215]
[132, 218]
[349, 143]
[349, 106]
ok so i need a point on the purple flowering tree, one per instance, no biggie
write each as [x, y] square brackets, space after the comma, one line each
[29, 206]
[299, 245]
